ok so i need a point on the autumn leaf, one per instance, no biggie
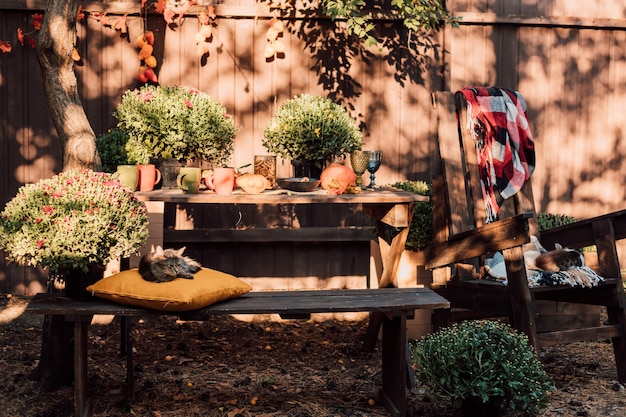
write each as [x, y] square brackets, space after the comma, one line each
[211, 11]
[32, 42]
[143, 3]
[168, 16]
[160, 6]
[203, 18]
[104, 20]
[20, 36]
[120, 24]
[81, 13]
[5, 47]
[37, 20]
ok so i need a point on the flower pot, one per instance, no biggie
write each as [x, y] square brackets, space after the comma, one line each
[76, 282]
[307, 168]
[475, 407]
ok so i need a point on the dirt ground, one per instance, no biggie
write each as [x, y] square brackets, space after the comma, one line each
[232, 368]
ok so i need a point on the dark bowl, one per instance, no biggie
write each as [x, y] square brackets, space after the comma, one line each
[298, 184]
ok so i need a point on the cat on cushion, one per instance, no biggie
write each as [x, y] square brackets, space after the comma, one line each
[560, 259]
[164, 265]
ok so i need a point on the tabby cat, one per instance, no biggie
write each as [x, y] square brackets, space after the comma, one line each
[164, 265]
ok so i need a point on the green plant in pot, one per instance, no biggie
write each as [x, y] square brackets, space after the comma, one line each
[112, 149]
[178, 123]
[313, 129]
[77, 220]
[482, 364]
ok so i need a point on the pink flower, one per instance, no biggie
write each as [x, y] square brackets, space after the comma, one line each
[40, 243]
[48, 210]
[189, 104]
[146, 96]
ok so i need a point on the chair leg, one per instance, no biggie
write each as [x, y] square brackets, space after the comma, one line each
[522, 301]
[617, 315]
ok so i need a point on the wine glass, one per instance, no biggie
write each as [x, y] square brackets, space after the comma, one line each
[373, 164]
[359, 161]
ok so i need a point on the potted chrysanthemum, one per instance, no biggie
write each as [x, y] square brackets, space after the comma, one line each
[75, 221]
[175, 123]
[310, 128]
[485, 365]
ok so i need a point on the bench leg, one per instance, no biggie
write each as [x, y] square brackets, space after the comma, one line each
[81, 400]
[394, 369]
[126, 348]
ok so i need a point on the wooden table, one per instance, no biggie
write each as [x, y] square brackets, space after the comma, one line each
[391, 208]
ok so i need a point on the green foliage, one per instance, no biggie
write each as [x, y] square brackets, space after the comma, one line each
[175, 122]
[313, 128]
[548, 221]
[71, 220]
[112, 149]
[421, 230]
[482, 359]
[416, 15]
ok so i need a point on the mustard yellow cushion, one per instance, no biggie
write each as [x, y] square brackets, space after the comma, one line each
[207, 287]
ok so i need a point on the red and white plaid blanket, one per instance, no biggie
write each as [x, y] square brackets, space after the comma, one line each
[505, 147]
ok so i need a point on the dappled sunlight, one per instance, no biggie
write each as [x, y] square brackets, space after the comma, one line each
[590, 9]
[469, 68]
[11, 311]
[42, 167]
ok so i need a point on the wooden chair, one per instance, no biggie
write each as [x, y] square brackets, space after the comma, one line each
[463, 239]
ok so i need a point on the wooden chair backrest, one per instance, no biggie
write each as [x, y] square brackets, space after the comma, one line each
[458, 204]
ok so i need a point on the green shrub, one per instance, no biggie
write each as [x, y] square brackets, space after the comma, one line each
[549, 221]
[112, 149]
[482, 359]
[421, 231]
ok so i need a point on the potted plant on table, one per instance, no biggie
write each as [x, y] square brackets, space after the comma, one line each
[310, 128]
[76, 221]
[486, 365]
[176, 123]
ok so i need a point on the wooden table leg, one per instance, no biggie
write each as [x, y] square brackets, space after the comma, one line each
[394, 368]
[81, 400]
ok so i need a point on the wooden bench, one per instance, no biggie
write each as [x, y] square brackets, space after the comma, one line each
[395, 305]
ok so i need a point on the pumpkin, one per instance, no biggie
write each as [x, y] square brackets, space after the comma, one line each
[253, 183]
[336, 178]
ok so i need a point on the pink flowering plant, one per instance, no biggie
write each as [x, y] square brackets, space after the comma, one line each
[72, 220]
[175, 122]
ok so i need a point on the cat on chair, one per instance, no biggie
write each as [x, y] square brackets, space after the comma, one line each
[164, 265]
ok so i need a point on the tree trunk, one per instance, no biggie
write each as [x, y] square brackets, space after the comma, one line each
[56, 42]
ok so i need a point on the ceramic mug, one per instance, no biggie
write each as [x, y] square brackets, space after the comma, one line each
[220, 180]
[149, 176]
[128, 176]
[188, 180]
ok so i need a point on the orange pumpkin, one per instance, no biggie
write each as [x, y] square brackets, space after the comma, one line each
[336, 178]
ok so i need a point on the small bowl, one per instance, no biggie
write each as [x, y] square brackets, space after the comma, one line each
[298, 184]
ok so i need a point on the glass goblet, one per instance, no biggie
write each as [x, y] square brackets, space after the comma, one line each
[359, 161]
[373, 164]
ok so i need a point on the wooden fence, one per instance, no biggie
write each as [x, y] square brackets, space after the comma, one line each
[565, 56]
